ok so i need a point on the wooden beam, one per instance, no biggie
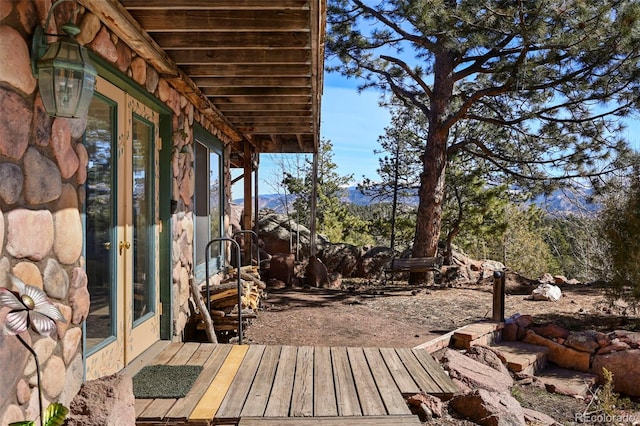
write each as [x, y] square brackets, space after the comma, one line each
[271, 128]
[261, 100]
[232, 40]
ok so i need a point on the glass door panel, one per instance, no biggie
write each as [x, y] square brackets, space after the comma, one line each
[98, 210]
[142, 202]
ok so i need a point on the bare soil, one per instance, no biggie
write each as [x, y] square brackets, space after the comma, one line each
[362, 313]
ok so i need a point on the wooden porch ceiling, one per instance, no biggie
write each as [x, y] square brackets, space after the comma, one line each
[257, 63]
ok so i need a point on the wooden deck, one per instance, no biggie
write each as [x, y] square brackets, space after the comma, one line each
[268, 385]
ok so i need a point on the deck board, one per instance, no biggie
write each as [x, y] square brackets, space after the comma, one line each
[393, 400]
[324, 398]
[302, 399]
[415, 369]
[185, 406]
[231, 406]
[400, 375]
[370, 400]
[280, 399]
[217, 390]
[261, 390]
[346, 392]
[271, 385]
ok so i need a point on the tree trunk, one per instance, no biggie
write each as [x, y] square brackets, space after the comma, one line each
[434, 161]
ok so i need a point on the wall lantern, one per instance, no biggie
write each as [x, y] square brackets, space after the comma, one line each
[66, 77]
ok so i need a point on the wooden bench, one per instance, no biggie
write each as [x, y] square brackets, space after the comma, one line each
[414, 264]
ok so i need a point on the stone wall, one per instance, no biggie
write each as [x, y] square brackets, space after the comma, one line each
[42, 172]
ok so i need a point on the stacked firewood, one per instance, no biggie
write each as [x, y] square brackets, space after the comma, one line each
[224, 298]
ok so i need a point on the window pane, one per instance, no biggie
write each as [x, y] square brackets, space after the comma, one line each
[214, 195]
[143, 282]
[99, 213]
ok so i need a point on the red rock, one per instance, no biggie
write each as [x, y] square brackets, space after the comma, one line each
[582, 342]
[105, 401]
[489, 408]
[15, 123]
[432, 404]
[15, 62]
[533, 417]
[103, 46]
[475, 374]
[510, 332]
[561, 355]
[625, 367]
[524, 321]
[316, 273]
[64, 153]
[281, 267]
[615, 346]
[551, 331]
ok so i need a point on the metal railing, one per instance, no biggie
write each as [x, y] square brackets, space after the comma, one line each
[206, 254]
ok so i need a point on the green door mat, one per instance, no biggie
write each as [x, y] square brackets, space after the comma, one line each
[165, 381]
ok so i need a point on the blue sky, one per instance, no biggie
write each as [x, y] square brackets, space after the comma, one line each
[353, 122]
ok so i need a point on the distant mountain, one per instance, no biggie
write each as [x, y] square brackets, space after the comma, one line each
[560, 202]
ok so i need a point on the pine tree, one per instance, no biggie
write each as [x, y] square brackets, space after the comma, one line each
[550, 78]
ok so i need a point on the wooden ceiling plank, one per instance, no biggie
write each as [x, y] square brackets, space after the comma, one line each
[233, 40]
[221, 20]
[254, 82]
[227, 107]
[248, 70]
[259, 100]
[118, 19]
[268, 129]
[254, 56]
[214, 5]
[255, 91]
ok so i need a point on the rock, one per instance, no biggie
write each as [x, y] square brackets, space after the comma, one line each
[29, 233]
[41, 123]
[89, 27]
[107, 401]
[15, 355]
[124, 56]
[103, 46]
[537, 418]
[56, 280]
[51, 377]
[582, 342]
[524, 321]
[547, 292]
[15, 62]
[83, 157]
[79, 296]
[551, 331]
[23, 392]
[15, 123]
[625, 367]
[425, 406]
[475, 374]
[64, 153]
[631, 338]
[139, 70]
[342, 258]
[44, 348]
[281, 267]
[559, 279]
[615, 346]
[72, 380]
[510, 332]
[12, 180]
[561, 355]
[316, 273]
[68, 241]
[13, 413]
[42, 179]
[29, 273]
[489, 408]
[489, 357]
[70, 344]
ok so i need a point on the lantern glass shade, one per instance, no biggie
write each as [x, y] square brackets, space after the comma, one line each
[66, 79]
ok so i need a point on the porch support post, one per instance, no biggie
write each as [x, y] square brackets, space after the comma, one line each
[248, 211]
[314, 196]
[256, 200]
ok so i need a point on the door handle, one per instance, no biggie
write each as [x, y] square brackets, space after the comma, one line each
[124, 245]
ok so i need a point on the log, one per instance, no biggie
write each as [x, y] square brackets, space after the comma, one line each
[206, 316]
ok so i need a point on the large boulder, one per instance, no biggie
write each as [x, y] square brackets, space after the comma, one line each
[341, 258]
[625, 367]
[282, 267]
[474, 374]
[107, 401]
[489, 408]
[316, 273]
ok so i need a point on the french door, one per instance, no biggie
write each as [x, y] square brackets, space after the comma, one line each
[122, 141]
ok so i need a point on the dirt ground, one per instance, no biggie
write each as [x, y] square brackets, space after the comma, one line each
[365, 314]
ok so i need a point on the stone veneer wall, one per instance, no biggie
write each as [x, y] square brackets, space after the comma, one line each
[42, 173]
